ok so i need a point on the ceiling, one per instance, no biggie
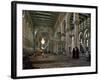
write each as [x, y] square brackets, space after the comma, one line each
[44, 18]
[48, 19]
[82, 17]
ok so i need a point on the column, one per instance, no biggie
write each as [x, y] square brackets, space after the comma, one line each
[57, 47]
[54, 46]
[67, 34]
[60, 37]
[73, 42]
[76, 25]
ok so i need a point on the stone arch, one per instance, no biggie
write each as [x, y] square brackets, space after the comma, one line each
[85, 32]
[86, 39]
[42, 32]
[80, 35]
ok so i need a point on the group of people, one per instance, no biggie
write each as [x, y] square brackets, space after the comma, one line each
[75, 53]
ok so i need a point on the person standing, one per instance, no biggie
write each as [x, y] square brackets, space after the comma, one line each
[76, 53]
[73, 53]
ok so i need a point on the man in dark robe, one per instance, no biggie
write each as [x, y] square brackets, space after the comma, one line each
[73, 52]
[76, 53]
